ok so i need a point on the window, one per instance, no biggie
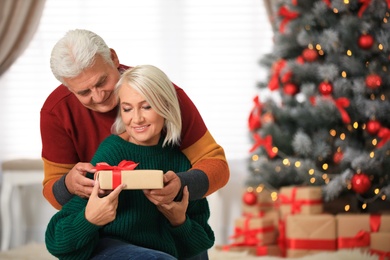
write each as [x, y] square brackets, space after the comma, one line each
[209, 48]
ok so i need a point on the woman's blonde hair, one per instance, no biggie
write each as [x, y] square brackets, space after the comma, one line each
[161, 95]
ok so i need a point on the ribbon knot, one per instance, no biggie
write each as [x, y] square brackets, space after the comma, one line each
[384, 134]
[123, 165]
[265, 142]
[116, 170]
[287, 17]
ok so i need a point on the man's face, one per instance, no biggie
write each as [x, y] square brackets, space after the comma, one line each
[94, 87]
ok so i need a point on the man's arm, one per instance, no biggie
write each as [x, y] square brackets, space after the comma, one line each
[210, 170]
[55, 176]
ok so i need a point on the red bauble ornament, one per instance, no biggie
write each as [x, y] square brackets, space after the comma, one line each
[338, 157]
[249, 198]
[360, 183]
[365, 41]
[310, 55]
[290, 89]
[373, 81]
[325, 88]
[373, 127]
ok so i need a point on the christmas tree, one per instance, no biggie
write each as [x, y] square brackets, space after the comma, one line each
[323, 116]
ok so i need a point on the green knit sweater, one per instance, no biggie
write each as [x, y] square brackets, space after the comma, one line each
[70, 236]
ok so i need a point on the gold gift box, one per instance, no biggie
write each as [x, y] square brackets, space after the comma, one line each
[134, 179]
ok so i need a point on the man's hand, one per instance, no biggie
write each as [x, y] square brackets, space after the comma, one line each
[101, 211]
[172, 185]
[78, 184]
[175, 212]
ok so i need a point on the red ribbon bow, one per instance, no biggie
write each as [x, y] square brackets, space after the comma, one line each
[254, 117]
[384, 134]
[342, 103]
[123, 165]
[266, 143]
[287, 17]
[116, 170]
[365, 4]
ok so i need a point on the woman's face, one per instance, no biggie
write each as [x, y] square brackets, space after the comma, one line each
[142, 122]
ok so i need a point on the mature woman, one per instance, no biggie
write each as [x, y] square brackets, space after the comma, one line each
[127, 224]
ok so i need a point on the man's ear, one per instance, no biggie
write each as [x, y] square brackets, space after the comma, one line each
[114, 58]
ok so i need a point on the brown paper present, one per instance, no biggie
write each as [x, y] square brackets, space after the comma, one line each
[252, 231]
[353, 230]
[309, 234]
[269, 250]
[380, 245]
[300, 200]
[266, 201]
[134, 179]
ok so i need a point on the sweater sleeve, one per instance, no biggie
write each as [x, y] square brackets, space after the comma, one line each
[194, 235]
[210, 170]
[69, 235]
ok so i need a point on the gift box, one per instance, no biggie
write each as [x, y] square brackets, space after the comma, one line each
[134, 179]
[269, 250]
[252, 231]
[265, 201]
[300, 200]
[353, 230]
[309, 234]
[271, 214]
[380, 245]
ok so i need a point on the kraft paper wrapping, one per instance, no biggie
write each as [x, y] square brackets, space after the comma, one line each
[300, 200]
[380, 244]
[353, 230]
[264, 203]
[134, 179]
[270, 250]
[251, 231]
[309, 234]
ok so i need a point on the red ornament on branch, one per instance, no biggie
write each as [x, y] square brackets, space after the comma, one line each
[373, 127]
[365, 41]
[310, 55]
[338, 157]
[325, 88]
[373, 81]
[360, 183]
[290, 89]
[249, 198]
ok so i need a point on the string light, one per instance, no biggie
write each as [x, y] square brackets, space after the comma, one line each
[347, 207]
[349, 53]
[255, 157]
[297, 164]
[344, 74]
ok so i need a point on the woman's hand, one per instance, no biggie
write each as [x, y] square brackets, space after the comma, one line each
[101, 211]
[172, 185]
[175, 211]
